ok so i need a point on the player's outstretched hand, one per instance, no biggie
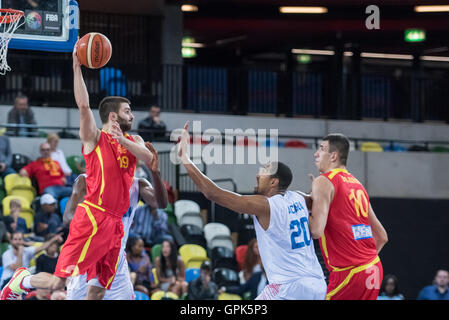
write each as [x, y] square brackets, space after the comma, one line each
[184, 142]
[76, 62]
[155, 162]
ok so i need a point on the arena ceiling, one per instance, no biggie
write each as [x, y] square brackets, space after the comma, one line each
[257, 26]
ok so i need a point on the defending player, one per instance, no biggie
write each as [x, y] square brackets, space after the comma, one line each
[122, 287]
[342, 218]
[94, 240]
[281, 224]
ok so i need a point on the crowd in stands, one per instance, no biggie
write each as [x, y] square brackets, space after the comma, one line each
[170, 256]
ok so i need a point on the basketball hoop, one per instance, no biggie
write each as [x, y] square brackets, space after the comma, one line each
[9, 22]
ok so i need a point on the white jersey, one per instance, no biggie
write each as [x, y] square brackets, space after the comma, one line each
[286, 247]
[121, 288]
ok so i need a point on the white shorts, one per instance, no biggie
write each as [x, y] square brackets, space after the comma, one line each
[299, 289]
[121, 288]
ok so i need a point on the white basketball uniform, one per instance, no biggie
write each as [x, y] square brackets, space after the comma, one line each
[121, 288]
[287, 252]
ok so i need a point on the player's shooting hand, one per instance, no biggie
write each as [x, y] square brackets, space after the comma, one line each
[76, 62]
[155, 162]
[184, 142]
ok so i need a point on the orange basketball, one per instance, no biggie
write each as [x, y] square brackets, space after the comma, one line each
[94, 50]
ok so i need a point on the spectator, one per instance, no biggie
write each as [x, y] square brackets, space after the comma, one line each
[252, 262]
[152, 128]
[5, 157]
[255, 285]
[140, 266]
[47, 219]
[151, 225]
[48, 173]
[203, 288]
[13, 222]
[21, 113]
[47, 262]
[439, 289]
[20, 254]
[389, 289]
[170, 270]
[3, 232]
[59, 156]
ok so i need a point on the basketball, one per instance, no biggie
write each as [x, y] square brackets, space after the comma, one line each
[94, 50]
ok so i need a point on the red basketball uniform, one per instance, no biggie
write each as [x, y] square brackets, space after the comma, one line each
[96, 230]
[347, 245]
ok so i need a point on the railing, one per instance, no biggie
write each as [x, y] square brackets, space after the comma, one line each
[47, 80]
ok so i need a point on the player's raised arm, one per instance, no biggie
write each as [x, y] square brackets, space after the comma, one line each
[322, 193]
[255, 204]
[89, 133]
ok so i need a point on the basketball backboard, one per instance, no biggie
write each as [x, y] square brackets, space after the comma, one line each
[50, 25]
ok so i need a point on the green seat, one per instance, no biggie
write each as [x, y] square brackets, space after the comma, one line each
[171, 217]
[156, 252]
[440, 149]
[73, 162]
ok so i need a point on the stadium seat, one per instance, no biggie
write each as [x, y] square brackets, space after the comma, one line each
[157, 295]
[223, 257]
[19, 161]
[141, 296]
[3, 247]
[247, 142]
[240, 253]
[73, 161]
[229, 296]
[197, 239]
[371, 147]
[192, 274]
[14, 180]
[161, 295]
[294, 143]
[213, 229]
[221, 241]
[439, 149]
[224, 277]
[28, 192]
[193, 255]
[185, 206]
[188, 230]
[6, 200]
[396, 147]
[156, 251]
[191, 218]
[28, 215]
[1, 271]
[62, 204]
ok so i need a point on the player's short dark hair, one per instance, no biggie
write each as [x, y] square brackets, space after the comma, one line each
[110, 104]
[338, 143]
[283, 173]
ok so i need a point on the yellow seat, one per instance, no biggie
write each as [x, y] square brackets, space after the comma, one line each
[158, 295]
[28, 192]
[33, 261]
[13, 180]
[371, 147]
[28, 215]
[229, 296]
[193, 255]
[6, 200]
[156, 280]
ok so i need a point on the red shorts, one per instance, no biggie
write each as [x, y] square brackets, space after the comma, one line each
[93, 245]
[358, 283]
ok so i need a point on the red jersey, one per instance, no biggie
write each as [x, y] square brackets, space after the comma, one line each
[347, 240]
[110, 172]
[47, 173]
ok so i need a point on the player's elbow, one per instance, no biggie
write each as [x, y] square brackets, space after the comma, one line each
[316, 234]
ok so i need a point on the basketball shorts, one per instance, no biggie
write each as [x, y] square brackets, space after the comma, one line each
[299, 289]
[358, 283]
[121, 288]
[92, 246]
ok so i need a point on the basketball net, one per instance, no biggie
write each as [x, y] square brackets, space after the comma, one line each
[9, 23]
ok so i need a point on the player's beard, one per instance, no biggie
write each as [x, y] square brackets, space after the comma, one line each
[124, 125]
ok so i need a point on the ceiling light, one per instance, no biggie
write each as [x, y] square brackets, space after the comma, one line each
[317, 52]
[302, 9]
[434, 58]
[189, 8]
[386, 56]
[432, 8]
